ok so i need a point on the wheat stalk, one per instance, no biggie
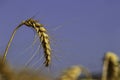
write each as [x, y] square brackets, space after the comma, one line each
[9, 43]
[44, 39]
[110, 66]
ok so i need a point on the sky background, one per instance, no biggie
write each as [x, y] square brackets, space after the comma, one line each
[81, 30]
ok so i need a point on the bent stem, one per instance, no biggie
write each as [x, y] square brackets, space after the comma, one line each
[9, 43]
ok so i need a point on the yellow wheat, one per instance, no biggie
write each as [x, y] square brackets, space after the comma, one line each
[74, 72]
[110, 66]
[5, 71]
[44, 39]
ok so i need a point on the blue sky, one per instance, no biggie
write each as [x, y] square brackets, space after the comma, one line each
[89, 28]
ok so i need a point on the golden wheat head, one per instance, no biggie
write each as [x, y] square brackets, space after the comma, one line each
[44, 39]
[74, 72]
[110, 66]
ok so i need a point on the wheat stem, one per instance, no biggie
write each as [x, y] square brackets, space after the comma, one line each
[9, 43]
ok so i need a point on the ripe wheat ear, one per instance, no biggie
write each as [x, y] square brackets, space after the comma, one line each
[110, 67]
[74, 72]
[44, 39]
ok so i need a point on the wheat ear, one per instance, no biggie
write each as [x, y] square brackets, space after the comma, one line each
[74, 72]
[110, 66]
[44, 38]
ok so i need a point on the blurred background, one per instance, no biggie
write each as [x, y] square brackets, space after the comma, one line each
[81, 31]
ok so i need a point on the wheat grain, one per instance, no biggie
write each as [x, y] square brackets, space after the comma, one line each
[110, 66]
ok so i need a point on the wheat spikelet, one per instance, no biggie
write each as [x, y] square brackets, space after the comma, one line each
[110, 66]
[44, 38]
[73, 73]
